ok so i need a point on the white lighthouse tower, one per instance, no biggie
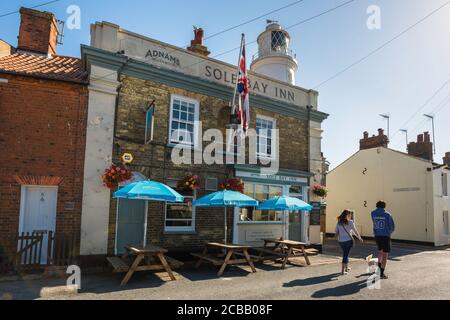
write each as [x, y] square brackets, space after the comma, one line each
[274, 58]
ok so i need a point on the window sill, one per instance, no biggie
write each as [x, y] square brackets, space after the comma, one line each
[180, 232]
[260, 222]
[184, 146]
[260, 157]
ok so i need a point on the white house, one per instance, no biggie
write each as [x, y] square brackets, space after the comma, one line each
[414, 188]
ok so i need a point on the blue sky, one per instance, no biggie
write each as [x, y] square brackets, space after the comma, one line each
[398, 79]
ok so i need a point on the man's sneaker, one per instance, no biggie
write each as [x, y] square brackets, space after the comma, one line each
[384, 276]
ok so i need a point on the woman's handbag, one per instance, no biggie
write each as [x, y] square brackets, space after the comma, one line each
[350, 235]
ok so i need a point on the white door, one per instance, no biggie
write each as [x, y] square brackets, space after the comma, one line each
[445, 228]
[38, 212]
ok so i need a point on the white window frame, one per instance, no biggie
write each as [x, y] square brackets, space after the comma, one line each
[273, 138]
[196, 104]
[184, 228]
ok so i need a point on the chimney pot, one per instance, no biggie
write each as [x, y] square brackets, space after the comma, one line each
[197, 44]
[381, 140]
[446, 159]
[423, 148]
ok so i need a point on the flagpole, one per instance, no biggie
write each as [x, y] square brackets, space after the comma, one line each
[233, 109]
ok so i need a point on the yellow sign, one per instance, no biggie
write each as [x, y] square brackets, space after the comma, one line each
[127, 158]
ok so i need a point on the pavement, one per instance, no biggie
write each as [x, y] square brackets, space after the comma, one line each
[415, 272]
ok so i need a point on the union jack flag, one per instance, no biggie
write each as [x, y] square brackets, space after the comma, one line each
[243, 112]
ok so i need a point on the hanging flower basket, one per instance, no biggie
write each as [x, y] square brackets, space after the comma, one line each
[320, 191]
[233, 185]
[116, 174]
[189, 183]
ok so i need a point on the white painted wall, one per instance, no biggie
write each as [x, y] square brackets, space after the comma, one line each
[441, 204]
[386, 173]
[315, 165]
[99, 146]
[276, 68]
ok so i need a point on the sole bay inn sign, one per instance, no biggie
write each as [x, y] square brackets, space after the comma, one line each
[183, 61]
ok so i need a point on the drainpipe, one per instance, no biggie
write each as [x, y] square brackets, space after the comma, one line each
[309, 142]
[116, 105]
[309, 108]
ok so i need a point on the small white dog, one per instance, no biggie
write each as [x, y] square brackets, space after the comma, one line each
[372, 264]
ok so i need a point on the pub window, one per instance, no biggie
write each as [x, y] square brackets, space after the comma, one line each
[261, 192]
[265, 137]
[181, 216]
[149, 122]
[184, 115]
[296, 192]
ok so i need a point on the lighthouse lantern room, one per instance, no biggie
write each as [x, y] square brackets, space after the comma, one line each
[274, 58]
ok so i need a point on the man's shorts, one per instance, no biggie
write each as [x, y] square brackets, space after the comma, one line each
[384, 244]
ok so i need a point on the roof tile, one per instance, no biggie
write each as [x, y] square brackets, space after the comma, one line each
[55, 67]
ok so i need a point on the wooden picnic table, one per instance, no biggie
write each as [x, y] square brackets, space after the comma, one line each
[231, 251]
[150, 255]
[284, 250]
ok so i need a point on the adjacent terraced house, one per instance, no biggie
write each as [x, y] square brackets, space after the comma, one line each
[43, 110]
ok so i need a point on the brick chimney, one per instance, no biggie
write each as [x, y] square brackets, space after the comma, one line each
[446, 159]
[197, 44]
[423, 148]
[38, 32]
[381, 140]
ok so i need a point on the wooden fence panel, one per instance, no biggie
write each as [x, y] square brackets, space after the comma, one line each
[61, 249]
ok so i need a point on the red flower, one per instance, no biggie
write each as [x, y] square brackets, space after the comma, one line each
[189, 183]
[116, 174]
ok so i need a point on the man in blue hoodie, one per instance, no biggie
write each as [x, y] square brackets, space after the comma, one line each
[383, 227]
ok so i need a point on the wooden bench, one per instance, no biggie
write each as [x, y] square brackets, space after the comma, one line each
[118, 264]
[309, 252]
[173, 263]
[213, 260]
[229, 258]
[148, 258]
[289, 249]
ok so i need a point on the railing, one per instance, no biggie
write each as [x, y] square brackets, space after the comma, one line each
[274, 52]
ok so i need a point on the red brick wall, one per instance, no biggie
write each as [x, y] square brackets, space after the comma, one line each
[43, 132]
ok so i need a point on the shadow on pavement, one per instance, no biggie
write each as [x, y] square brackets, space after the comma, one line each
[105, 283]
[362, 250]
[208, 272]
[312, 281]
[344, 290]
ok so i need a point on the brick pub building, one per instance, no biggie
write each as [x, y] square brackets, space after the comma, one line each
[129, 76]
[43, 110]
